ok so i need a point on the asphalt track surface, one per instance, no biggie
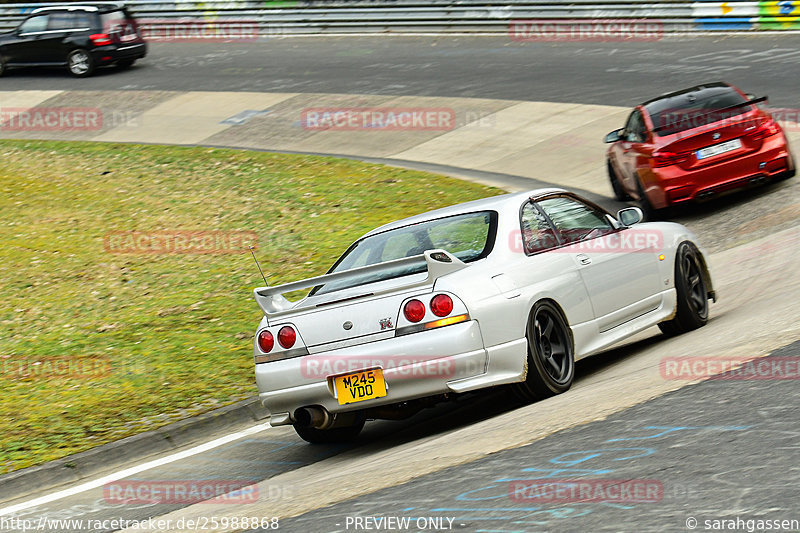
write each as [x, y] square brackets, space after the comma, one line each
[730, 447]
[692, 447]
[475, 67]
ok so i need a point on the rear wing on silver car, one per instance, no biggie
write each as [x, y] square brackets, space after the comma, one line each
[439, 262]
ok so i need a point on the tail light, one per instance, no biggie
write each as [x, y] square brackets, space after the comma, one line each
[100, 39]
[766, 129]
[414, 310]
[442, 305]
[665, 159]
[266, 341]
[287, 337]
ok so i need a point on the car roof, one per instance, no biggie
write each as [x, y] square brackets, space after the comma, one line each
[680, 99]
[695, 89]
[492, 203]
[92, 7]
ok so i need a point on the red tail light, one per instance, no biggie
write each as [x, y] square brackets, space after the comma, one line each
[414, 310]
[100, 39]
[766, 129]
[287, 337]
[442, 305]
[265, 341]
[665, 159]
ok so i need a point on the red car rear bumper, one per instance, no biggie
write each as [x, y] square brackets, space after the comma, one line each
[673, 185]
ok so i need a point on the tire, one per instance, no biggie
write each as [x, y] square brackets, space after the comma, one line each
[330, 436]
[785, 176]
[125, 63]
[692, 293]
[616, 186]
[2, 67]
[80, 63]
[650, 213]
[551, 355]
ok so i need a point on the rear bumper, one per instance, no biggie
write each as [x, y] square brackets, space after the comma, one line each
[428, 363]
[105, 55]
[673, 185]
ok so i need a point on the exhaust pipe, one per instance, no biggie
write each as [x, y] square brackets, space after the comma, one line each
[705, 195]
[320, 418]
[313, 417]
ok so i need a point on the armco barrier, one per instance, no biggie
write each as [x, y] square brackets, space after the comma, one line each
[290, 17]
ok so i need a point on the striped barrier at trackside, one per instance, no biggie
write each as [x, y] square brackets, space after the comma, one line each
[762, 15]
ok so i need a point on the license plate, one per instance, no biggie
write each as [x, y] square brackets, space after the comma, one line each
[360, 386]
[721, 148]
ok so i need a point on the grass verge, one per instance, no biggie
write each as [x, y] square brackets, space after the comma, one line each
[96, 344]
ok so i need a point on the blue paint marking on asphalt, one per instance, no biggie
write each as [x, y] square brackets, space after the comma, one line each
[670, 429]
[570, 459]
[478, 502]
[599, 452]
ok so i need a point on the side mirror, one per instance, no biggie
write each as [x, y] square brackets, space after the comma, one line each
[613, 137]
[630, 216]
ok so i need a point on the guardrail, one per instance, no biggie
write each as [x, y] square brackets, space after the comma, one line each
[278, 17]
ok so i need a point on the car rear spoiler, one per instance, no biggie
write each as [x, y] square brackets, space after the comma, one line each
[439, 262]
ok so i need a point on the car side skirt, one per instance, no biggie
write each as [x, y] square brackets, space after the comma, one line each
[589, 340]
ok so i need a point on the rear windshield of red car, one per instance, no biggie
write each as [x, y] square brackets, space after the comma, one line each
[695, 109]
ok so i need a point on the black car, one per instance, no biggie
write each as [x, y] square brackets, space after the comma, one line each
[80, 37]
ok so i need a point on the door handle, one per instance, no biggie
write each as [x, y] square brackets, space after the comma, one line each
[584, 259]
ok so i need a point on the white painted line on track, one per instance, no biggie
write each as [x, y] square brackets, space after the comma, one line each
[120, 474]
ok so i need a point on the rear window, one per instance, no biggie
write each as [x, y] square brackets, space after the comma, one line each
[468, 237]
[695, 109]
[117, 22]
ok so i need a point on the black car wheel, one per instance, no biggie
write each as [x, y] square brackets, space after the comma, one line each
[80, 63]
[619, 192]
[551, 358]
[692, 293]
[789, 173]
[643, 202]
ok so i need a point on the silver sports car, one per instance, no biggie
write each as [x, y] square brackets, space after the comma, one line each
[506, 290]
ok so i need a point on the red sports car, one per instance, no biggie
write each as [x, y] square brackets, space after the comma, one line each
[695, 144]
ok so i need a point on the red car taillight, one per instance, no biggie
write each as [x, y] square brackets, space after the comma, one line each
[442, 305]
[287, 337]
[764, 130]
[665, 159]
[266, 341]
[100, 39]
[414, 310]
